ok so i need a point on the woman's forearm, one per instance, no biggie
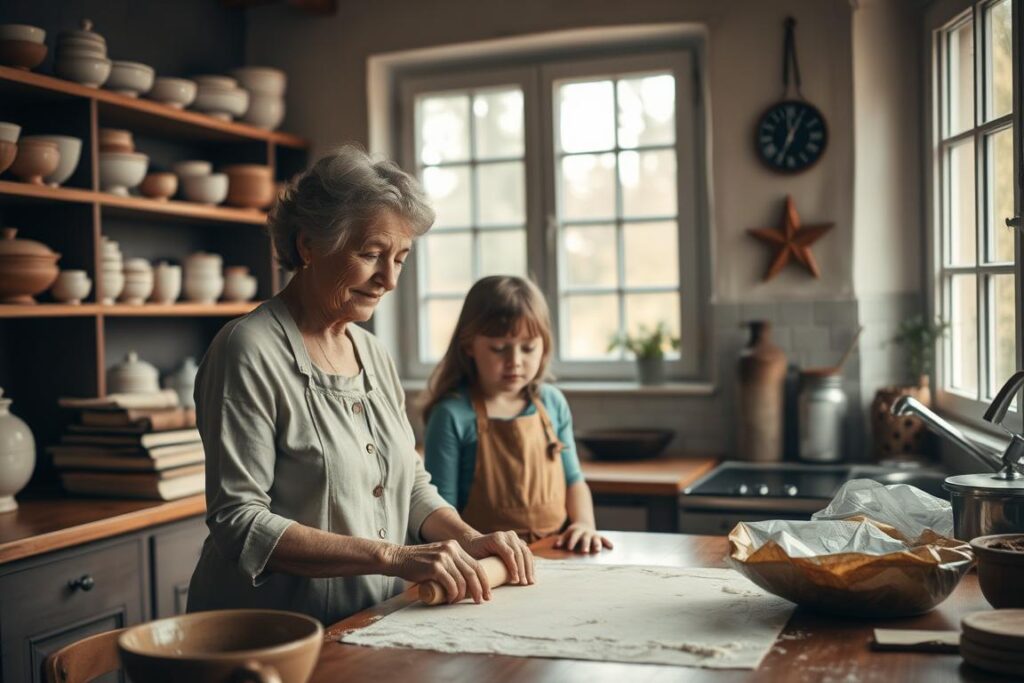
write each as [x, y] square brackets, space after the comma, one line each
[579, 504]
[445, 523]
[311, 552]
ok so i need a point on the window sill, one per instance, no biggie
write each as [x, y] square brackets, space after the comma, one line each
[607, 388]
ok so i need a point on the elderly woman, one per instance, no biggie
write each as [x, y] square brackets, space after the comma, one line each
[316, 499]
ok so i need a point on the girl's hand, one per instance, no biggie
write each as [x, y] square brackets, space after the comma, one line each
[510, 548]
[582, 538]
[445, 562]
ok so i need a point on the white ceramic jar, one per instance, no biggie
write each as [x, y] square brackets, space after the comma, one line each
[110, 284]
[133, 376]
[71, 287]
[203, 289]
[17, 455]
[166, 283]
[183, 382]
[239, 285]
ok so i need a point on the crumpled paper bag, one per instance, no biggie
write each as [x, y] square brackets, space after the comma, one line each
[844, 562]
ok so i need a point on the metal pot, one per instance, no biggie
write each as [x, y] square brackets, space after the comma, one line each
[985, 504]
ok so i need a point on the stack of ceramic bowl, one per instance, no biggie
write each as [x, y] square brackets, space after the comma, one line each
[199, 183]
[111, 280]
[166, 283]
[22, 46]
[130, 78]
[71, 287]
[133, 376]
[176, 93]
[203, 280]
[121, 167]
[9, 133]
[239, 285]
[70, 150]
[138, 281]
[82, 56]
[35, 159]
[266, 88]
[220, 97]
[250, 186]
[27, 268]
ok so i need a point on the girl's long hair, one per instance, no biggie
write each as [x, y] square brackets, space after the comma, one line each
[496, 306]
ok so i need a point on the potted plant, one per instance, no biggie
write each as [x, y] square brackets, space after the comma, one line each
[648, 347]
[902, 436]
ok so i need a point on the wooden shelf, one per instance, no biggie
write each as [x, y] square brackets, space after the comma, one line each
[140, 114]
[177, 310]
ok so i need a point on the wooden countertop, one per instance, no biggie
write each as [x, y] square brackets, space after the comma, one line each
[655, 477]
[51, 522]
[811, 648]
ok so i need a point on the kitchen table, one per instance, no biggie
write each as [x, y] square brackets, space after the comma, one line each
[811, 647]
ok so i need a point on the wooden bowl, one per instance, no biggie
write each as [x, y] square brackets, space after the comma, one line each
[22, 54]
[1001, 568]
[223, 645]
[625, 444]
[159, 185]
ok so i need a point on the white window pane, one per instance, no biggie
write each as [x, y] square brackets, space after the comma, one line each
[645, 311]
[652, 253]
[502, 193]
[589, 256]
[964, 333]
[502, 252]
[1000, 59]
[588, 187]
[960, 78]
[449, 262]
[499, 123]
[443, 128]
[961, 228]
[449, 192]
[1000, 190]
[647, 108]
[648, 183]
[1004, 354]
[586, 115]
[589, 325]
[441, 314]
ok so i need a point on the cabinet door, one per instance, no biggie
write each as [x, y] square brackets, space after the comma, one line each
[48, 603]
[176, 550]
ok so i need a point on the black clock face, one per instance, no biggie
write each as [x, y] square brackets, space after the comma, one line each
[791, 136]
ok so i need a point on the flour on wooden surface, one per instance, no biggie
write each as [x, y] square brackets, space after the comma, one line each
[712, 618]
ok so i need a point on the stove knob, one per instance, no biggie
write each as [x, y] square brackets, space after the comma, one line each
[791, 490]
[742, 490]
[762, 489]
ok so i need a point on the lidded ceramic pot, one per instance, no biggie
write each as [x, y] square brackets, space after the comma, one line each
[17, 455]
[239, 285]
[183, 382]
[133, 376]
[138, 281]
[166, 283]
[203, 280]
[27, 268]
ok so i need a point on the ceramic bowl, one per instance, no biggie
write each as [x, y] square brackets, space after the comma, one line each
[82, 52]
[9, 132]
[1000, 568]
[215, 82]
[120, 171]
[130, 78]
[137, 288]
[91, 72]
[203, 262]
[116, 137]
[27, 268]
[22, 54]
[221, 104]
[192, 167]
[265, 111]
[70, 153]
[174, 92]
[137, 265]
[221, 645]
[159, 186]
[35, 159]
[92, 47]
[203, 289]
[263, 80]
[109, 285]
[8, 150]
[250, 192]
[205, 189]
[239, 285]
[71, 286]
[166, 283]
[32, 34]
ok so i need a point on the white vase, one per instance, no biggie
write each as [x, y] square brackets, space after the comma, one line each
[183, 381]
[166, 283]
[204, 289]
[110, 284]
[239, 285]
[17, 455]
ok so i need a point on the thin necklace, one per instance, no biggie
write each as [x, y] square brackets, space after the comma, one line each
[326, 357]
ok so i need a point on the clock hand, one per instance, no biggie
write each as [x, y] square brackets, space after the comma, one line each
[789, 137]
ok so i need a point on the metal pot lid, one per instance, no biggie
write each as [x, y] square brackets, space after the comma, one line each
[988, 483]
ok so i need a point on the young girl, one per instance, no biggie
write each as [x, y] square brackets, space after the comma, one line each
[499, 442]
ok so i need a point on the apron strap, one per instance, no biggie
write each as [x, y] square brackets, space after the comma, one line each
[554, 445]
[479, 410]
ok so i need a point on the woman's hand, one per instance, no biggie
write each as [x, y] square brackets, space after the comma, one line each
[445, 562]
[582, 538]
[507, 545]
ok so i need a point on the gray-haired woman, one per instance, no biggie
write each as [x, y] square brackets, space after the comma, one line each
[316, 498]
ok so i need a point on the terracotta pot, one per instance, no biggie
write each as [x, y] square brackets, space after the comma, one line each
[27, 268]
[35, 159]
[762, 372]
[898, 436]
[250, 187]
[8, 150]
[22, 54]
[117, 137]
[159, 186]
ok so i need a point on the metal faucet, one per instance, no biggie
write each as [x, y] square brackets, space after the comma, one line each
[1008, 465]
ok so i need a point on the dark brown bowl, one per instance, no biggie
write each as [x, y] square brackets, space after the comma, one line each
[1001, 568]
[625, 444]
[22, 54]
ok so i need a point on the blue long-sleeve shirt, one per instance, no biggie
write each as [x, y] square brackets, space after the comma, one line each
[450, 442]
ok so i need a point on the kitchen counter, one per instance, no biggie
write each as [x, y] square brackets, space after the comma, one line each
[812, 648]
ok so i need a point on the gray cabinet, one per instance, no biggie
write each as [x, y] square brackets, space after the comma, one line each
[175, 553]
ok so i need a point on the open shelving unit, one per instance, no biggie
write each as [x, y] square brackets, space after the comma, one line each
[52, 349]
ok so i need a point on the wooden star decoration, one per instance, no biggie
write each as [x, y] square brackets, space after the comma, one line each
[791, 240]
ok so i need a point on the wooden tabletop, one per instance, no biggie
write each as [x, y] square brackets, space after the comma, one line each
[655, 477]
[811, 648]
[54, 521]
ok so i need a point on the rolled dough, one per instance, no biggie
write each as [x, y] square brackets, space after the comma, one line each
[712, 618]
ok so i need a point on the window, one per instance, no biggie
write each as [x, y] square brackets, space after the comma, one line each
[977, 191]
[582, 174]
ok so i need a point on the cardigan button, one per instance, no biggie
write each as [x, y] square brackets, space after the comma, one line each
[378, 491]
[370, 449]
[383, 533]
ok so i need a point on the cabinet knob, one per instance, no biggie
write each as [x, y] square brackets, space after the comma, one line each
[84, 582]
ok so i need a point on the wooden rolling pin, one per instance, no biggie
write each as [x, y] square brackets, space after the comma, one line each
[432, 593]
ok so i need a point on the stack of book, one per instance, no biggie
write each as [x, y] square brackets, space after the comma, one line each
[132, 446]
